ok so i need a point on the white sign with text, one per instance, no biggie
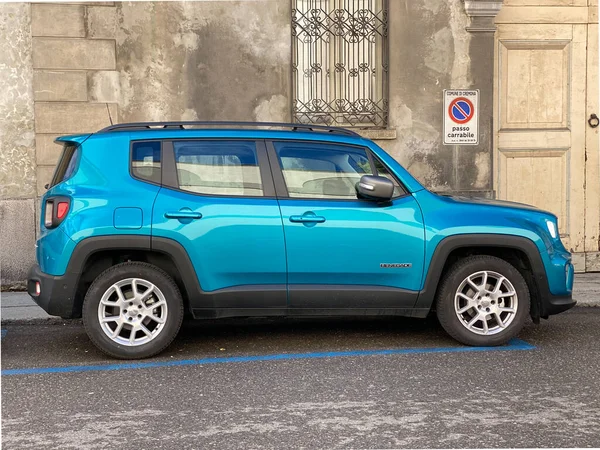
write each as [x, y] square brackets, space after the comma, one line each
[461, 117]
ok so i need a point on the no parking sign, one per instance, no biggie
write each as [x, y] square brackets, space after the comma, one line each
[461, 117]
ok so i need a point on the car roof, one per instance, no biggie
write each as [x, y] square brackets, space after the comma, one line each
[182, 125]
[220, 130]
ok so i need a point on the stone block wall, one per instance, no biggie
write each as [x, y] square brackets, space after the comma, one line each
[57, 76]
[74, 75]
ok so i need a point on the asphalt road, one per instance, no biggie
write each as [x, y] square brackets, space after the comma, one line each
[199, 395]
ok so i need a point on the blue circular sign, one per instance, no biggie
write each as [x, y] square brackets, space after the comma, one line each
[461, 110]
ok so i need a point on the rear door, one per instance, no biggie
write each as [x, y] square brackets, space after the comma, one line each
[218, 201]
[344, 252]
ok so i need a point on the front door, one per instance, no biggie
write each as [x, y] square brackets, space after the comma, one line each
[344, 252]
[219, 204]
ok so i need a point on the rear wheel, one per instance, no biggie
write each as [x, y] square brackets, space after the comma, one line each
[483, 301]
[132, 310]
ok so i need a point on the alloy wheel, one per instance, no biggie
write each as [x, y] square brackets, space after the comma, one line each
[132, 312]
[486, 302]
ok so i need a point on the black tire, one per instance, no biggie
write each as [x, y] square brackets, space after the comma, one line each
[445, 306]
[124, 271]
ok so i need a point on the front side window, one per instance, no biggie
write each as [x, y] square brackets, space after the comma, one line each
[218, 167]
[340, 62]
[327, 171]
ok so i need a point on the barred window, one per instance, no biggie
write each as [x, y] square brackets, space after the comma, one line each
[340, 62]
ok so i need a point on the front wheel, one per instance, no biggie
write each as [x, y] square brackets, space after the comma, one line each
[483, 301]
[132, 310]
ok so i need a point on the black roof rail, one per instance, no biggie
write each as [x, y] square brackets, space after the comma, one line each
[182, 125]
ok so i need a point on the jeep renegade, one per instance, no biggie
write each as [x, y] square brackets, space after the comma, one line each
[145, 222]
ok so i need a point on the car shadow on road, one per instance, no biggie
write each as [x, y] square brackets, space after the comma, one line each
[311, 334]
[65, 342]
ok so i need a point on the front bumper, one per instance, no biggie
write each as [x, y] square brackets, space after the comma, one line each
[555, 304]
[57, 293]
[555, 284]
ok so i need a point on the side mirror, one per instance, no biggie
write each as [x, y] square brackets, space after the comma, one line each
[375, 188]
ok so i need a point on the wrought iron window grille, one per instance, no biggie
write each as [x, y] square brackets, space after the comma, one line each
[340, 62]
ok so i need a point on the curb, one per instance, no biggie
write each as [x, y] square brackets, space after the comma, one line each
[588, 304]
[39, 321]
[18, 286]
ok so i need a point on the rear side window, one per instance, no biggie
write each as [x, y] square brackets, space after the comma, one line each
[67, 164]
[145, 161]
[218, 167]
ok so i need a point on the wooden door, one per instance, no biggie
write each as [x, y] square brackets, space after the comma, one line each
[592, 164]
[541, 79]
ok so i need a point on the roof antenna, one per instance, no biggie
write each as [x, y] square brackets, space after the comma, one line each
[109, 117]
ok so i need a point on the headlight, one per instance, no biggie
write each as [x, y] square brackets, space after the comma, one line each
[552, 229]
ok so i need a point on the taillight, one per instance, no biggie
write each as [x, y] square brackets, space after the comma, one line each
[56, 209]
[62, 209]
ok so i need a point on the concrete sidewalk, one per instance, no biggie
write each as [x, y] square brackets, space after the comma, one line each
[18, 306]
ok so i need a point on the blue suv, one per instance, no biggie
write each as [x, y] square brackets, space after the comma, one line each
[145, 222]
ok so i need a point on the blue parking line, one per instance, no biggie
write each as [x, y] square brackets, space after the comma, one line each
[3, 333]
[514, 344]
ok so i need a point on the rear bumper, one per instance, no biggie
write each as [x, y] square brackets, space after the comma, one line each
[57, 294]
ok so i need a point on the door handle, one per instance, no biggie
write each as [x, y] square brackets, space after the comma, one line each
[183, 215]
[307, 219]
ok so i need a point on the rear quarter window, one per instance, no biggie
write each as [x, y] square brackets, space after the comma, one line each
[67, 163]
[146, 161]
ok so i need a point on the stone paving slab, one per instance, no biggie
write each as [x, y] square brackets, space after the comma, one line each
[586, 289]
[19, 306]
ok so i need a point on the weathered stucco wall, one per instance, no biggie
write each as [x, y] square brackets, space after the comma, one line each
[430, 50]
[209, 60]
[17, 152]
[217, 60]
[17, 139]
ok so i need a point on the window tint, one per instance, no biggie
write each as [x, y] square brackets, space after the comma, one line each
[383, 171]
[145, 161]
[218, 167]
[313, 170]
[65, 168]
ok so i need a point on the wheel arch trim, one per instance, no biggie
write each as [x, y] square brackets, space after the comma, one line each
[449, 244]
[191, 284]
[87, 247]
